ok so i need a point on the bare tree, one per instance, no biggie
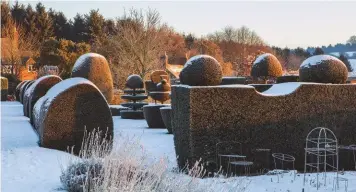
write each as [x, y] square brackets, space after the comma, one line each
[139, 40]
[17, 44]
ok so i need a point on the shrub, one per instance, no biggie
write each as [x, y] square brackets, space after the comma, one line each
[17, 91]
[201, 70]
[4, 88]
[95, 68]
[23, 89]
[38, 89]
[265, 66]
[68, 109]
[323, 69]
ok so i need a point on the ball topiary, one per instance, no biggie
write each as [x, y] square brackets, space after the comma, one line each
[265, 66]
[38, 89]
[95, 68]
[68, 109]
[4, 88]
[323, 69]
[134, 82]
[201, 70]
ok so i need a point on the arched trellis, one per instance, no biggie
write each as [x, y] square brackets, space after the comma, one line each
[321, 144]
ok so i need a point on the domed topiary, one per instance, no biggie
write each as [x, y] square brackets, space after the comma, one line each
[95, 68]
[323, 69]
[4, 88]
[68, 109]
[266, 65]
[23, 89]
[201, 70]
[38, 89]
[17, 90]
[134, 82]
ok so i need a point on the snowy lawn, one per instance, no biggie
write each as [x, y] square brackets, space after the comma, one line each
[27, 167]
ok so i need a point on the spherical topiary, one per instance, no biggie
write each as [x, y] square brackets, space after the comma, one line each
[95, 68]
[68, 109]
[201, 70]
[323, 69]
[4, 88]
[134, 82]
[266, 65]
[18, 88]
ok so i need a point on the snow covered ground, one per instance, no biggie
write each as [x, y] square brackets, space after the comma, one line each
[27, 167]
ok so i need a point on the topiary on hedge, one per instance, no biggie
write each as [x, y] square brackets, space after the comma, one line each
[201, 70]
[158, 75]
[95, 68]
[37, 90]
[18, 88]
[323, 69]
[68, 109]
[265, 66]
[4, 88]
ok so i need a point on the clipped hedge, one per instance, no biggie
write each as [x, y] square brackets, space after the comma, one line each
[68, 109]
[95, 68]
[38, 89]
[18, 88]
[287, 78]
[23, 89]
[4, 88]
[204, 116]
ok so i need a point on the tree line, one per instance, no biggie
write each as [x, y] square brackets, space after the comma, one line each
[135, 42]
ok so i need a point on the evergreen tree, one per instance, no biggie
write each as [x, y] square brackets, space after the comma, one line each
[43, 23]
[189, 41]
[79, 30]
[110, 27]
[346, 62]
[318, 51]
[61, 26]
[18, 13]
[95, 22]
[30, 21]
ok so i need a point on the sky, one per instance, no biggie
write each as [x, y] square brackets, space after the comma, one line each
[280, 23]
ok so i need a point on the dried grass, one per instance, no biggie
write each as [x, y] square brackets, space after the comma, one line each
[126, 167]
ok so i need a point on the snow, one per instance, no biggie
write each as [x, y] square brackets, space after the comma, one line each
[216, 86]
[283, 88]
[189, 62]
[317, 59]
[28, 167]
[336, 54]
[117, 107]
[81, 60]
[262, 57]
[350, 53]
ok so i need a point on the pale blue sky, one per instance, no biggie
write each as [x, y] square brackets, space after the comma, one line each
[291, 23]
